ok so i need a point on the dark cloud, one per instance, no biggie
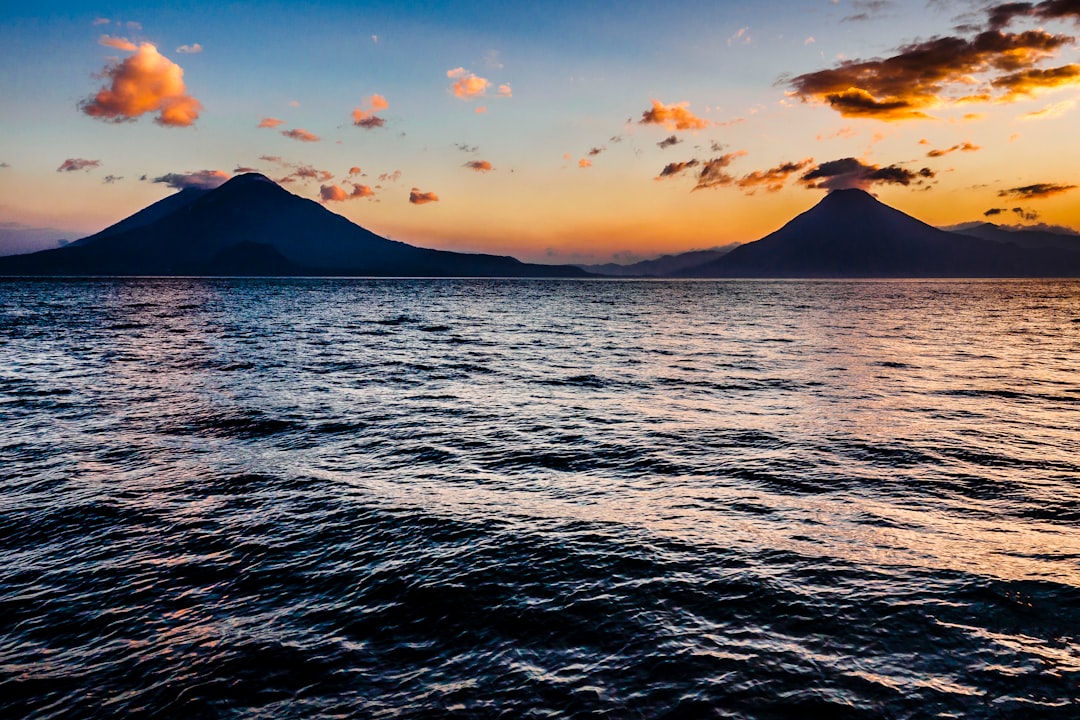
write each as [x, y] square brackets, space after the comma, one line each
[203, 179]
[479, 165]
[110, 179]
[714, 172]
[931, 73]
[1026, 214]
[994, 211]
[1036, 191]
[593, 152]
[464, 147]
[76, 164]
[668, 142]
[677, 168]
[854, 173]
[1000, 16]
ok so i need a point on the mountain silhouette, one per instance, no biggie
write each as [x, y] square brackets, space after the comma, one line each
[1021, 237]
[250, 225]
[852, 234]
[663, 266]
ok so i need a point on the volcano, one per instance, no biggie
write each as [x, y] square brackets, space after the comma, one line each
[250, 225]
[851, 234]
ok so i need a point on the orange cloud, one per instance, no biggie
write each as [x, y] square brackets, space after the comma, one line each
[505, 91]
[962, 147]
[419, 198]
[479, 165]
[466, 84]
[1028, 82]
[118, 43]
[354, 170]
[584, 163]
[335, 193]
[672, 117]
[270, 122]
[76, 164]
[481, 110]
[367, 119]
[772, 179]
[1049, 112]
[203, 179]
[332, 193]
[300, 134]
[920, 76]
[1036, 191]
[146, 82]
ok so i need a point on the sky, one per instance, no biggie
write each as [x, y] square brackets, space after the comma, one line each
[550, 131]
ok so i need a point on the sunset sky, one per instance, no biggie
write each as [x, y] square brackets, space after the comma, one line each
[554, 131]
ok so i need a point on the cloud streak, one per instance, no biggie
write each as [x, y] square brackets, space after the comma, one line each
[77, 164]
[1037, 191]
[301, 134]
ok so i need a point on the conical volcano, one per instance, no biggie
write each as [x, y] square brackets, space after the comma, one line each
[852, 234]
[252, 226]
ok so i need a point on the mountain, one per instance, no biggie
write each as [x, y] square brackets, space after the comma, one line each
[252, 226]
[1025, 238]
[664, 266]
[851, 234]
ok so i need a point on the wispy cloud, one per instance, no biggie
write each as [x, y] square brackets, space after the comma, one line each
[301, 134]
[1037, 191]
[192, 49]
[77, 164]
[270, 122]
[966, 146]
[118, 43]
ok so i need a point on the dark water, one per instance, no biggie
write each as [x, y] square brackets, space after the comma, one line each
[539, 499]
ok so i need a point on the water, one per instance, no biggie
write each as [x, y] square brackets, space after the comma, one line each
[539, 499]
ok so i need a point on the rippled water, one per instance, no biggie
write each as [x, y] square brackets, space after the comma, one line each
[538, 499]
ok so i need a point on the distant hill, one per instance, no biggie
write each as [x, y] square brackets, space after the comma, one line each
[1025, 238]
[252, 226]
[664, 266]
[852, 234]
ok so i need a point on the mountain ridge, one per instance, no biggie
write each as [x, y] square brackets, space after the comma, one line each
[211, 232]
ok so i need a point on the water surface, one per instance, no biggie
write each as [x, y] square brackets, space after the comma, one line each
[539, 499]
